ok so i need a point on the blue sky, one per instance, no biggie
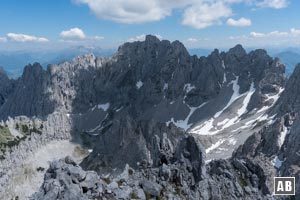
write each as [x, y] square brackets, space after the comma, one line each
[52, 24]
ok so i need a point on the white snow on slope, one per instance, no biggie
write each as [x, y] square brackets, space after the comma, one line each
[166, 86]
[241, 110]
[246, 101]
[224, 78]
[208, 128]
[223, 64]
[274, 98]
[139, 84]
[104, 107]
[234, 96]
[232, 141]
[282, 136]
[188, 87]
[277, 163]
[184, 123]
[214, 146]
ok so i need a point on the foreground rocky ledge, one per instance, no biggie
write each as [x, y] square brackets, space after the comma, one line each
[183, 176]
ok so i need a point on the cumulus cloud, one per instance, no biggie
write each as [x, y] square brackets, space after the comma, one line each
[196, 13]
[129, 11]
[277, 4]
[77, 35]
[205, 14]
[73, 33]
[141, 37]
[16, 37]
[240, 22]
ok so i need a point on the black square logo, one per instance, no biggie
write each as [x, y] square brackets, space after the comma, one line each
[284, 185]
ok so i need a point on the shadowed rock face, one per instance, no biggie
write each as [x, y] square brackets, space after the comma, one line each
[6, 86]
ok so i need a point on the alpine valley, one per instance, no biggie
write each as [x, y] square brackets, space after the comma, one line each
[150, 122]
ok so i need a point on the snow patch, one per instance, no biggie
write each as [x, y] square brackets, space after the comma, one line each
[277, 163]
[139, 84]
[104, 107]
[246, 100]
[119, 109]
[166, 86]
[207, 128]
[234, 96]
[214, 146]
[184, 123]
[188, 87]
[282, 136]
[274, 98]
[223, 64]
[232, 141]
[224, 78]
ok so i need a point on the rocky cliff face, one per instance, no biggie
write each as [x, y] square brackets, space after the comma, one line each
[6, 86]
[161, 114]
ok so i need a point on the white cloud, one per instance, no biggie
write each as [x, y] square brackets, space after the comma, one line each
[238, 37]
[192, 40]
[196, 13]
[277, 4]
[72, 34]
[3, 39]
[16, 37]
[204, 15]
[98, 37]
[141, 38]
[75, 35]
[130, 11]
[257, 35]
[240, 22]
[270, 34]
[295, 32]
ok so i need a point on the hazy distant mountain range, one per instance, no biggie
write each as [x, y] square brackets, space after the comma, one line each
[14, 61]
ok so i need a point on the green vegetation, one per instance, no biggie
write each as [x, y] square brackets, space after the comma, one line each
[148, 196]
[106, 180]
[5, 135]
[130, 171]
[40, 169]
[35, 130]
[134, 196]
[24, 129]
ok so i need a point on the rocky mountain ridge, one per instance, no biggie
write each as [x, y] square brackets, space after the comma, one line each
[136, 108]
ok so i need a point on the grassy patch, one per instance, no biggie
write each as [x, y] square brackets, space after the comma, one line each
[24, 129]
[5, 135]
[106, 180]
[134, 196]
